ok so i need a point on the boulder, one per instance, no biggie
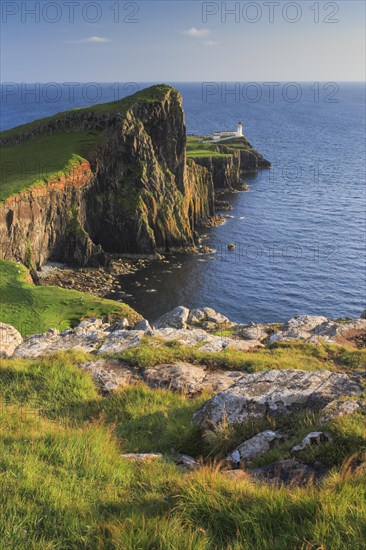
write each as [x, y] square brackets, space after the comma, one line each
[120, 340]
[254, 447]
[276, 392]
[207, 318]
[10, 338]
[304, 323]
[333, 331]
[301, 327]
[123, 324]
[177, 318]
[363, 315]
[196, 336]
[44, 344]
[313, 438]
[337, 408]
[89, 325]
[143, 325]
[187, 462]
[253, 332]
[187, 378]
[111, 374]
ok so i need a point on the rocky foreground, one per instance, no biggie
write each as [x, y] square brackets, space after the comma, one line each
[237, 397]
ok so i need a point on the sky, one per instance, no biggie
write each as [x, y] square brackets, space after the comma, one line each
[177, 41]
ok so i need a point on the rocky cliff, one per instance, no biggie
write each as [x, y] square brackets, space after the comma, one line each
[112, 178]
[228, 161]
[132, 192]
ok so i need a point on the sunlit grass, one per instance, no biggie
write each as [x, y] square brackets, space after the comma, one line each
[65, 484]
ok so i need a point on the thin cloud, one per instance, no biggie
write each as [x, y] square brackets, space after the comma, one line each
[211, 43]
[193, 31]
[90, 39]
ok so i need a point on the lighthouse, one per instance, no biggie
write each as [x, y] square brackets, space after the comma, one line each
[239, 130]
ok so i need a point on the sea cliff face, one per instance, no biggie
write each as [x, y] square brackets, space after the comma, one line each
[134, 192]
[228, 161]
[123, 184]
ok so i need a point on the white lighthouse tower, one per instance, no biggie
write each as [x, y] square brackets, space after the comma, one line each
[239, 130]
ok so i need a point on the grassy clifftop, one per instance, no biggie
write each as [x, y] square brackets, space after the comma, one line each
[35, 160]
[201, 147]
[31, 309]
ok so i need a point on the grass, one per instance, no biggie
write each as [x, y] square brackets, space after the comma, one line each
[33, 162]
[64, 482]
[34, 309]
[196, 148]
[287, 355]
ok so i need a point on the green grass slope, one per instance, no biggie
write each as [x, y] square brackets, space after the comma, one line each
[64, 483]
[33, 309]
[198, 148]
[32, 162]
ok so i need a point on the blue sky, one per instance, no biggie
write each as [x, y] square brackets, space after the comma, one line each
[173, 41]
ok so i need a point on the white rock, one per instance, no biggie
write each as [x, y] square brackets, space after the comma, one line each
[44, 344]
[143, 325]
[206, 315]
[304, 323]
[253, 332]
[255, 447]
[338, 408]
[188, 378]
[313, 438]
[277, 392]
[10, 338]
[187, 462]
[111, 374]
[177, 318]
[89, 325]
[120, 340]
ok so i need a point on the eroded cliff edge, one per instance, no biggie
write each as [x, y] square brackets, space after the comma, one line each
[124, 184]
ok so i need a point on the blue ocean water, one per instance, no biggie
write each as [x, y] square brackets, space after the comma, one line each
[300, 230]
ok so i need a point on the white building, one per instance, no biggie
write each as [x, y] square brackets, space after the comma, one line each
[220, 136]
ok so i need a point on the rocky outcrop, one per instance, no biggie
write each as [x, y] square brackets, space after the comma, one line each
[95, 336]
[275, 392]
[10, 338]
[134, 192]
[225, 170]
[315, 329]
[235, 159]
[181, 318]
[254, 447]
[112, 374]
[339, 407]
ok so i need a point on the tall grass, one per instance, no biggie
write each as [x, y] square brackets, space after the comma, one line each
[65, 484]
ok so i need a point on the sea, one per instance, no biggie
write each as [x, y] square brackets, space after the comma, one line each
[300, 229]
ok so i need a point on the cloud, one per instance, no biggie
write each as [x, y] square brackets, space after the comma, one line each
[197, 32]
[90, 39]
[211, 43]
